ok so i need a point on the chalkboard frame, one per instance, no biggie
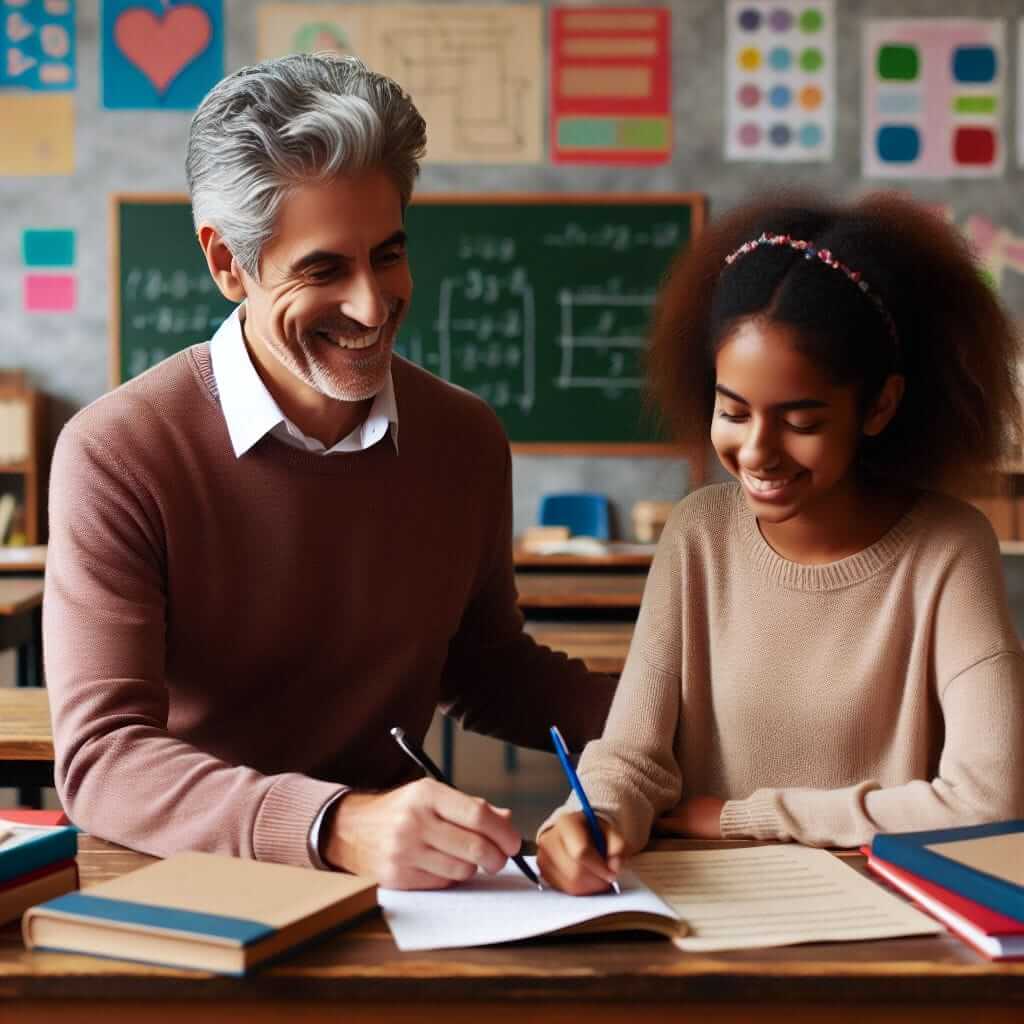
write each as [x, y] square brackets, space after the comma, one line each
[695, 201]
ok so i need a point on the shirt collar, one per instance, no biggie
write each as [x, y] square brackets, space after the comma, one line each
[251, 412]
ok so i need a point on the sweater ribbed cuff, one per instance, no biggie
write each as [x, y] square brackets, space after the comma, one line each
[281, 832]
[757, 817]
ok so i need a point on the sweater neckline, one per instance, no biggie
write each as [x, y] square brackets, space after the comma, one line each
[271, 448]
[830, 575]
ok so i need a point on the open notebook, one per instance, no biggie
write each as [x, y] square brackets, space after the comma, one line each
[702, 900]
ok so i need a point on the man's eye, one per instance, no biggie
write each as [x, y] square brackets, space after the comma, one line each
[389, 256]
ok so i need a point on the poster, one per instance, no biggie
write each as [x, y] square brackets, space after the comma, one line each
[161, 54]
[38, 132]
[37, 44]
[933, 97]
[474, 72]
[780, 80]
[611, 85]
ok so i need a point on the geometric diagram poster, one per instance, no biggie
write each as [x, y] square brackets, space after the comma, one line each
[474, 73]
[37, 129]
[161, 54]
[37, 45]
[933, 98]
[610, 85]
[780, 80]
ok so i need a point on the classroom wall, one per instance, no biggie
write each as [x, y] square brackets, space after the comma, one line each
[144, 150]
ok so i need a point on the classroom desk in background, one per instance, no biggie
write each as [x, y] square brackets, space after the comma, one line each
[21, 601]
[587, 590]
[358, 975]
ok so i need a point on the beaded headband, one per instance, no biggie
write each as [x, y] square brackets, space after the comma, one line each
[810, 251]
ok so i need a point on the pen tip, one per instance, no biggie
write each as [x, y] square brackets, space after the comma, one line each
[396, 732]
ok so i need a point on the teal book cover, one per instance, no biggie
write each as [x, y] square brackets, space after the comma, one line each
[26, 847]
[985, 863]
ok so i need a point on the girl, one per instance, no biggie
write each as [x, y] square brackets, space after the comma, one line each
[824, 648]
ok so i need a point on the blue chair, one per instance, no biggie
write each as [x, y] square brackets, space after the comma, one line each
[585, 514]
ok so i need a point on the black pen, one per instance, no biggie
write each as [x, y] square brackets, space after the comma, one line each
[421, 758]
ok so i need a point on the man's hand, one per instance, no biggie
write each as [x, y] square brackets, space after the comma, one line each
[568, 860]
[697, 816]
[424, 835]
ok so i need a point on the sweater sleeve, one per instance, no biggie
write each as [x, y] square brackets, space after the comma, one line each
[119, 772]
[979, 685]
[631, 774]
[498, 680]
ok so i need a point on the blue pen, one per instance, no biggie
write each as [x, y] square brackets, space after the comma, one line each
[577, 787]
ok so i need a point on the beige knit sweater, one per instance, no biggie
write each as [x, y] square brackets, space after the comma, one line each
[823, 703]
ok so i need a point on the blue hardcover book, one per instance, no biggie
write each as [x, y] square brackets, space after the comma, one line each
[25, 848]
[200, 911]
[985, 863]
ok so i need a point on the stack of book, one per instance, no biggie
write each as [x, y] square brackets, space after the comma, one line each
[37, 860]
[971, 879]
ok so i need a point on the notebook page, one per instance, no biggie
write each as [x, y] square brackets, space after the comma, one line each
[501, 908]
[774, 896]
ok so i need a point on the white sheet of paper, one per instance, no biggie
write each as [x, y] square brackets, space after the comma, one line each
[501, 908]
[776, 895]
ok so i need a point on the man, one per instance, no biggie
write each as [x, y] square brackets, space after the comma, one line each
[275, 546]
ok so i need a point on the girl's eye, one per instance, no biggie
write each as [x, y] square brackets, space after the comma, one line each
[732, 417]
[804, 428]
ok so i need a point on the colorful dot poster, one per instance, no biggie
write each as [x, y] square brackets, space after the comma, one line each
[611, 78]
[37, 45]
[780, 80]
[161, 53]
[933, 97]
[49, 253]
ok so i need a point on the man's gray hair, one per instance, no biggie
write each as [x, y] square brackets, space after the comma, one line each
[299, 119]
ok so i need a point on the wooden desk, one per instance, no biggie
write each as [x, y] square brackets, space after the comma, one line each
[26, 742]
[21, 601]
[603, 646]
[29, 559]
[358, 976]
[620, 555]
[542, 590]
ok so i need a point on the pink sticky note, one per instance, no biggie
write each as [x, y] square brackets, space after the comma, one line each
[48, 293]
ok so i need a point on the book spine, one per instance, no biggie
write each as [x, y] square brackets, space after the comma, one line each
[62, 845]
[994, 893]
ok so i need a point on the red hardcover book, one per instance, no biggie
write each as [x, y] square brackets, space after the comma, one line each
[994, 935]
[26, 817]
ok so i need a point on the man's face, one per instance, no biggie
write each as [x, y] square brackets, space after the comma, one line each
[334, 286]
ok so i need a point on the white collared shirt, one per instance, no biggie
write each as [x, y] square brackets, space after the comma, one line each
[251, 412]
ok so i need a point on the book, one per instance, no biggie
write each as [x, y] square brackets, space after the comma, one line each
[995, 935]
[26, 816]
[26, 847]
[702, 900]
[8, 503]
[201, 911]
[18, 894]
[985, 863]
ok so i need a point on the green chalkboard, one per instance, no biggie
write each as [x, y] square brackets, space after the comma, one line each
[539, 304]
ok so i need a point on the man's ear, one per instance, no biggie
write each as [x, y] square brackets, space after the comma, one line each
[222, 264]
[885, 405]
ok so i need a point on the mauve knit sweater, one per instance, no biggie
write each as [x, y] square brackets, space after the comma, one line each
[229, 640]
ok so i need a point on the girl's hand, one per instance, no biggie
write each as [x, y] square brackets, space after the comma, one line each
[697, 816]
[567, 858]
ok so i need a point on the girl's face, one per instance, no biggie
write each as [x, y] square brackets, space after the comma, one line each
[782, 428]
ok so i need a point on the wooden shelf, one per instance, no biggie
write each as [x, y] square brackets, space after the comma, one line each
[30, 487]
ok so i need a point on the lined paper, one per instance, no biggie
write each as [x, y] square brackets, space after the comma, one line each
[777, 895]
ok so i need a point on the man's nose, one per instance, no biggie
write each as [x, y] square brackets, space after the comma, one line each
[363, 300]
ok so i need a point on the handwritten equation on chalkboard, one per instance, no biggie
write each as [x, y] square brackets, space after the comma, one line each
[485, 334]
[168, 306]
